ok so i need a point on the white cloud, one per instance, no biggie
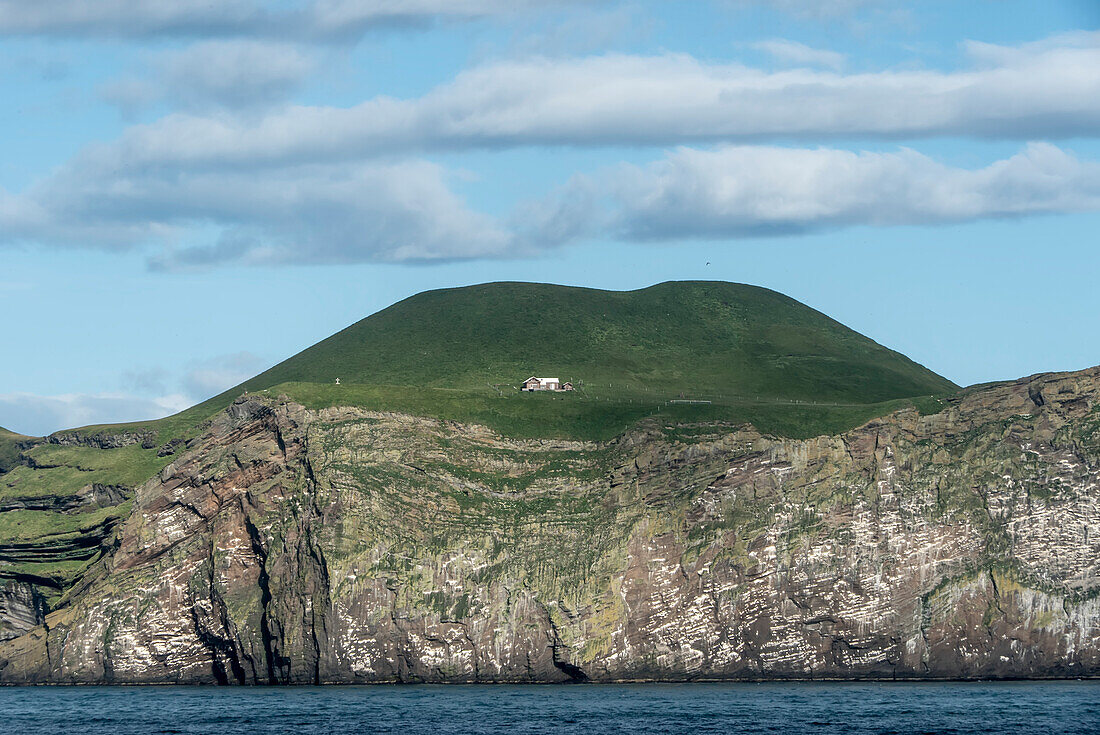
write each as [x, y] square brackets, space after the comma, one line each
[325, 213]
[746, 191]
[405, 212]
[36, 415]
[1028, 92]
[238, 75]
[793, 52]
[209, 377]
[234, 74]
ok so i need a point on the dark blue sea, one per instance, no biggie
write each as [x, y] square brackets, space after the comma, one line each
[1017, 708]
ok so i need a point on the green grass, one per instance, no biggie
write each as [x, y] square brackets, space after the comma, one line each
[58, 574]
[575, 416]
[695, 337]
[746, 348]
[752, 351]
[64, 543]
[761, 357]
[64, 470]
[9, 449]
[21, 526]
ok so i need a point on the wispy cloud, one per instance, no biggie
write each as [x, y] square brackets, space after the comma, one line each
[148, 393]
[209, 377]
[37, 415]
[793, 52]
[237, 75]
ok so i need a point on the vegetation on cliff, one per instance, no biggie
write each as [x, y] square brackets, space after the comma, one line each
[9, 449]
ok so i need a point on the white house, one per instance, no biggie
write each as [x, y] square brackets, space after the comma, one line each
[533, 383]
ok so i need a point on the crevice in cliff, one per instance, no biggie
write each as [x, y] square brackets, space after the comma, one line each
[280, 441]
[218, 646]
[319, 619]
[574, 672]
[264, 582]
[46, 643]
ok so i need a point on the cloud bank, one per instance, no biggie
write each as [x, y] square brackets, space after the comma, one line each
[406, 211]
[209, 76]
[304, 184]
[750, 191]
[325, 213]
[1047, 90]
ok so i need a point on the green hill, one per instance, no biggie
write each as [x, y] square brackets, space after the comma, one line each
[692, 337]
[757, 355]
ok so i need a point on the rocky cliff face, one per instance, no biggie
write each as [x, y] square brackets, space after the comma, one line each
[286, 545]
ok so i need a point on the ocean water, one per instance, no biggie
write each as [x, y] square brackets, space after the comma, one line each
[668, 709]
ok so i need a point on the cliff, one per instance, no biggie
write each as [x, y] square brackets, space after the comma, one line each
[284, 544]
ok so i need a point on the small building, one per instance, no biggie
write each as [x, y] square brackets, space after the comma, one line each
[533, 384]
[567, 385]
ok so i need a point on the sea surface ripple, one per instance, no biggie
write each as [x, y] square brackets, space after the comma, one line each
[668, 709]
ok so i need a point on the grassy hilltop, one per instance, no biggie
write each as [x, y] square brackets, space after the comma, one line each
[696, 337]
[759, 356]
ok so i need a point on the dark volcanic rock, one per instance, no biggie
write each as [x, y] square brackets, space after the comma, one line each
[288, 545]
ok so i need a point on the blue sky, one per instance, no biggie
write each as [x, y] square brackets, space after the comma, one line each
[191, 192]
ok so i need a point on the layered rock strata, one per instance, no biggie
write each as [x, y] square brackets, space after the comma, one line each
[288, 545]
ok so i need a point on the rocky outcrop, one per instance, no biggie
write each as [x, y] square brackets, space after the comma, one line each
[287, 545]
[22, 608]
[93, 495]
[103, 439]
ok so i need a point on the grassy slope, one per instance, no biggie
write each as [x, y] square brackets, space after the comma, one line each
[696, 337]
[758, 355]
[761, 357]
[9, 449]
[540, 415]
[62, 471]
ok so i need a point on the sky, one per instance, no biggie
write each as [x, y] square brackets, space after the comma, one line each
[190, 192]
